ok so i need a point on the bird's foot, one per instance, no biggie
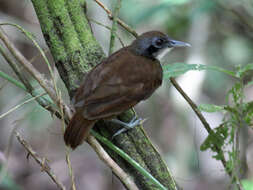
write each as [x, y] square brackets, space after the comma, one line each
[127, 126]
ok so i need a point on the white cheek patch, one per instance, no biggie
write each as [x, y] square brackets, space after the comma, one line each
[161, 53]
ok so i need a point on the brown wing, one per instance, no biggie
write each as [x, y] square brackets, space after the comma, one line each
[117, 84]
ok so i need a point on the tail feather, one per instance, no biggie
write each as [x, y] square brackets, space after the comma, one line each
[77, 130]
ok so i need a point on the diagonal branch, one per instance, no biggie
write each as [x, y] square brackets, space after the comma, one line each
[103, 155]
[107, 27]
[41, 161]
[200, 116]
[120, 22]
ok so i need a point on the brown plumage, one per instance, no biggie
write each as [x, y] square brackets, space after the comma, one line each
[118, 83]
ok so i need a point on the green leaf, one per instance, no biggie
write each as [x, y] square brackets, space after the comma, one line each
[176, 69]
[248, 113]
[210, 108]
[216, 139]
[243, 70]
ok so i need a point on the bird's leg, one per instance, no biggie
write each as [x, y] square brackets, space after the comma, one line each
[133, 123]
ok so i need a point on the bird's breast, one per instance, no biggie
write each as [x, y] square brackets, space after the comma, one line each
[154, 73]
[151, 75]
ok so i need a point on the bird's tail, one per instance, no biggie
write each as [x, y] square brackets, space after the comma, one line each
[77, 130]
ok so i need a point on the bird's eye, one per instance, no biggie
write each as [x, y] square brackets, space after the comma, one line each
[159, 42]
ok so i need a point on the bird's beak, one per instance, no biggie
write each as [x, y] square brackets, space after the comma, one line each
[175, 43]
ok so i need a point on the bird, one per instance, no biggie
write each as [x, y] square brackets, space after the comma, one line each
[118, 83]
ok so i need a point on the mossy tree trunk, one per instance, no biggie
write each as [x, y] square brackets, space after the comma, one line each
[75, 51]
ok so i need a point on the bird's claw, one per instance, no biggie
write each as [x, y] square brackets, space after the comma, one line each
[133, 123]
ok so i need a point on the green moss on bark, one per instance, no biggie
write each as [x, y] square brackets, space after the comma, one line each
[69, 38]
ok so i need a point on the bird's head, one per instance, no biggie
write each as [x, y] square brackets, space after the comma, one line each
[154, 43]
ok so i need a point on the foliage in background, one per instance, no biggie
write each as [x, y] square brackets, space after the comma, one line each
[237, 116]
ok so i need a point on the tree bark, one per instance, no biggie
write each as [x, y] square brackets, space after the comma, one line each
[75, 50]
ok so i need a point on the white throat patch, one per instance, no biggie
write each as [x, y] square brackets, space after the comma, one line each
[161, 53]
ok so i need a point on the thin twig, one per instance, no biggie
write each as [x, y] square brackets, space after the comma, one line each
[19, 105]
[37, 56]
[42, 53]
[57, 100]
[28, 66]
[71, 173]
[67, 152]
[16, 69]
[239, 126]
[25, 85]
[114, 26]
[44, 83]
[201, 117]
[120, 22]
[41, 161]
[107, 27]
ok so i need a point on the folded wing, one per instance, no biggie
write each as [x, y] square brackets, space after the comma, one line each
[117, 84]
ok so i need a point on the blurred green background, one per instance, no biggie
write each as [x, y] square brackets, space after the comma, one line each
[221, 34]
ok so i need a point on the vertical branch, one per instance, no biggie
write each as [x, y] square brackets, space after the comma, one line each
[114, 26]
[67, 152]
